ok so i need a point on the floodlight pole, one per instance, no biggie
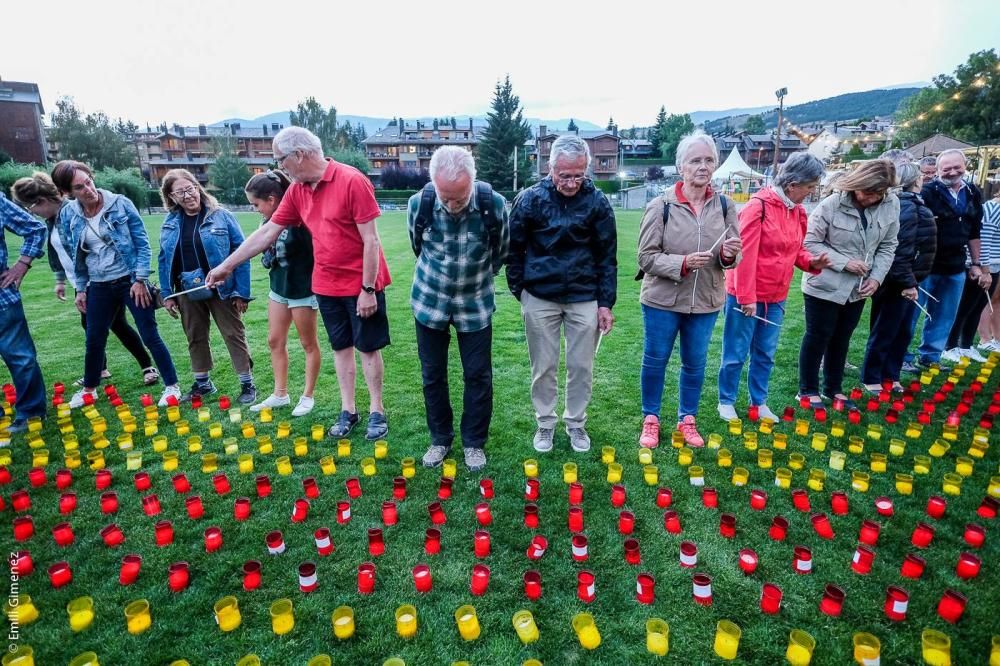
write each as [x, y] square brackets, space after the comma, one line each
[780, 94]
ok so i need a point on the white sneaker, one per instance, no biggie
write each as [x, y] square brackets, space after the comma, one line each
[727, 412]
[174, 390]
[271, 401]
[987, 345]
[304, 407]
[77, 400]
[764, 412]
[952, 355]
[974, 354]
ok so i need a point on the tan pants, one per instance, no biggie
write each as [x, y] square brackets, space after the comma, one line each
[195, 320]
[543, 325]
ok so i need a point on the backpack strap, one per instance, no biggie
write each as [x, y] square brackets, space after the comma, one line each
[666, 216]
[725, 206]
[484, 201]
[425, 213]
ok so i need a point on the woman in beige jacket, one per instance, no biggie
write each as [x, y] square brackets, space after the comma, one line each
[856, 227]
[688, 236]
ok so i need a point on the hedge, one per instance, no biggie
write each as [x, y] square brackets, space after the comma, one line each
[127, 182]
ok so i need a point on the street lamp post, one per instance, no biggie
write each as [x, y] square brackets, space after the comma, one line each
[780, 94]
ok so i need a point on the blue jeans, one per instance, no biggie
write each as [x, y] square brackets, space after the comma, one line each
[744, 336]
[948, 290]
[18, 351]
[660, 329]
[105, 301]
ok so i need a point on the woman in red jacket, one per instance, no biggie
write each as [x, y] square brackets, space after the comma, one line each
[772, 226]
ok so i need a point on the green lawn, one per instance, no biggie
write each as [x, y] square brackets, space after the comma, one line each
[183, 625]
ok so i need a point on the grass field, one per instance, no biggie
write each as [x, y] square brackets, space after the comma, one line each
[183, 624]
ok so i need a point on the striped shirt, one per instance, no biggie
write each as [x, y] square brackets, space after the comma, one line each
[989, 252]
[22, 223]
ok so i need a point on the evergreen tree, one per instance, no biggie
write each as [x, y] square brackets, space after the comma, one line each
[454, 124]
[311, 115]
[658, 129]
[91, 138]
[228, 174]
[754, 125]
[505, 130]
[611, 123]
[572, 126]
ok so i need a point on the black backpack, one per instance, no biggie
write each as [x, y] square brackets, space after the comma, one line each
[484, 200]
[666, 216]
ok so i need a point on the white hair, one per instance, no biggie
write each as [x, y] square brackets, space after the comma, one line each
[688, 141]
[290, 139]
[450, 162]
[951, 151]
[569, 146]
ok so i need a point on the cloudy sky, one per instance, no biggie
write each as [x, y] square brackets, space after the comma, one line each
[204, 61]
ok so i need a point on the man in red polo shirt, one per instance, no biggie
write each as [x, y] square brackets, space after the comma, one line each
[336, 202]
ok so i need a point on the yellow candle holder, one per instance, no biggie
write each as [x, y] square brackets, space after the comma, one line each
[531, 468]
[124, 441]
[993, 490]
[368, 466]
[170, 461]
[878, 463]
[327, 465]
[284, 429]
[99, 425]
[81, 613]
[99, 441]
[204, 414]
[194, 444]
[724, 458]
[230, 446]
[524, 625]
[65, 425]
[90, 659]
[645, 456]
[796, 461]
[855, 444]
[160, 443]
[935, 648]
[173, 414]
[227, 613]
[800, 648]
[914, 430]
[783, 477]
[300, 447]
[714, 440]
[284, 465]
[750, 440]
[607, 454]
[904, 483]
[727, 639]
[685, 456]
[950, 432]
[740, 476]
[995, 652]
[676, 439]
[614, 472]
[468, 623]
[318, 431]
[408, 467]
[735, 426]
[951, 484]
[817, 478]
[860, 481]
[696, 475]
[35, 441]
[978, 449]
[71, 460]
[938, 448]
[215, 430]
[343, 622]
[182, 428]
[780, 441]
[449, 468]
[129, 424]
[897, 447]
[657, 637]
[381, 449]
[95, 459]
[569, 472]
[323, 660]
[766, 426]
[343, 448]
[282, 617]
[819, 440]
[209, 463]
[921, 464]
[247, 660]
[981, 436]
[963, 466]
[137, 617]
[21, 655]
[246, 463]
[266, 415]
[586, 631]
[801, 427]
[264, 445]
[40, 458]
[765, 458]
[837, 429]
[651, 475]
[150, 428]
[23, 612]
[249, 430]
[406, 621]
[874, 431]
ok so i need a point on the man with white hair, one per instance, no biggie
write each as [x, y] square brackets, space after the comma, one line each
[563, 269]
[336, 202]
[459, 232]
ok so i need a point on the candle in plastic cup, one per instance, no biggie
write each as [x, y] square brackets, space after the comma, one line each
[409, 468]
[21, 655]
[406, 621]
[607, 454]
[995, 652]
[85, 659]
[651, 475]
[867, 649]
[586, 631]
[321, 660]
[569, 472]
[531, 468]
[727, 639]
[657, 637]
[227, 613]
[381, 449]
[23, 611]
[282, 617]
[81, 613]
[614, 472]
[645, 457]
[724, 458]
[343, 622]
[936, 648]
[248, 660]
[468, 623]
[137, 618]
[524, 625]
[449, 468]
[800, 648]
[343, 448]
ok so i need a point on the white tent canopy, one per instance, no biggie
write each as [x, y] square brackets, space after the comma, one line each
[735, 167]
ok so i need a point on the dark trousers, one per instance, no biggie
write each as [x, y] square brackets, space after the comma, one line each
[974, 297]
[889, 335]
[475, 350]
[829, 327]
[105, 301]
[17, 350]
[128, 337]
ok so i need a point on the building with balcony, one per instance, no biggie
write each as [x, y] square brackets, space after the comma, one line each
[411, 146]
[194, 148]
[604, 150]
[22, 135]
[757, 150]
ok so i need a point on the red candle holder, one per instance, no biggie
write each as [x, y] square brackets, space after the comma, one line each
[951, 606]
[181, 483]
[444, 487]
[241, 508]
[172, 401]
[727, 525]
[376, 542]
[324, 545]
[62, 533]
[710, 498]
[537, 547]
[151, 505]
[213, 539]
[671, 521]
[664, 498]
[22, 564]
[854, 416]
[800, 500]
[862, 561]
[24, 528]
[892, 416]
[758, 500]
[961, 409]
[575, 493]
[632, 554]
[224, 402]
[832, 603]
[968, 566]
[900, 404]
[194, 506]
[307, 577]
[989, 508]
[275, 543]
[483, 514]
[422, 579]
[897, 600]
[645, 588]
[922, 536]
[353, 487]
[575, 519]
[789, 412]
[532, 585]
[856, 394]
[141, 481]
[869, 532]
[146, 400]
[974, 535]
[20, 500]
[936, 506]
[67, 503]
[579, 548]
[748, 561]
[436, 513]
[626, 522]
[821, 524]
[486, 488]
[839, 504]
[923, 418]
[872, 404]
[58, 388]
[131, 564]
[585, 588]
[884, 506]
[803, 403]
[102, 479]
[913, 566]
[481, 543]
[300, 510]
[112, 536]
[196, 401]
[60, 573]
[310, 488]
[770, 599]
[701, 589]
[432, 541]
[399, 488]
[531, 516]
[531, 490]
[953, 419]
[263, 486]
[109, 390]
[343, 512]
[480, 581]
[5, 476]
[88, 399]
[390, 515]
[802, 562]
[36, 477]
[820, 414]
[178, 576]
[838, 404]
[779, 528]
[251, 575]
[618, 495]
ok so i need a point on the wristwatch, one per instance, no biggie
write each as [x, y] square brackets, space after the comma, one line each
[367, 289]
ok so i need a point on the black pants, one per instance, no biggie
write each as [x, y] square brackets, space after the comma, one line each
[974, 297]
[128, 337]
[829, 327]
[889, 336]
[475, 350]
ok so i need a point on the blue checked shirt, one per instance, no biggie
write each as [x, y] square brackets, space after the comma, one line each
[22, 223]
[453, 277]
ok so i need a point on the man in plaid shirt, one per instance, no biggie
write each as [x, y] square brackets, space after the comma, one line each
[461, 243]
[16, 346]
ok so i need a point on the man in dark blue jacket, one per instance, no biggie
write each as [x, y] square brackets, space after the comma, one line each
[562, 267]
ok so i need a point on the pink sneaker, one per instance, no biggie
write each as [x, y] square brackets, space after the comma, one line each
[650, 435]
[687, 428]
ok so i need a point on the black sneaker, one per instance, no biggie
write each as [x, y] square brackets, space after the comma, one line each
[248, 393]
[378, 427]
[344, 425]
[200, 389]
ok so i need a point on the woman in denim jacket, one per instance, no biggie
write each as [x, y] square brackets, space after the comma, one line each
[197, 236]
[108, 246]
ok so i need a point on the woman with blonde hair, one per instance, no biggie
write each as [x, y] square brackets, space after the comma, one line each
[856, 228]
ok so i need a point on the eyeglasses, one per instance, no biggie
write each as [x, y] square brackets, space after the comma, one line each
[281, 160]
[183, 194]
[569, 179]
[32, 206]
